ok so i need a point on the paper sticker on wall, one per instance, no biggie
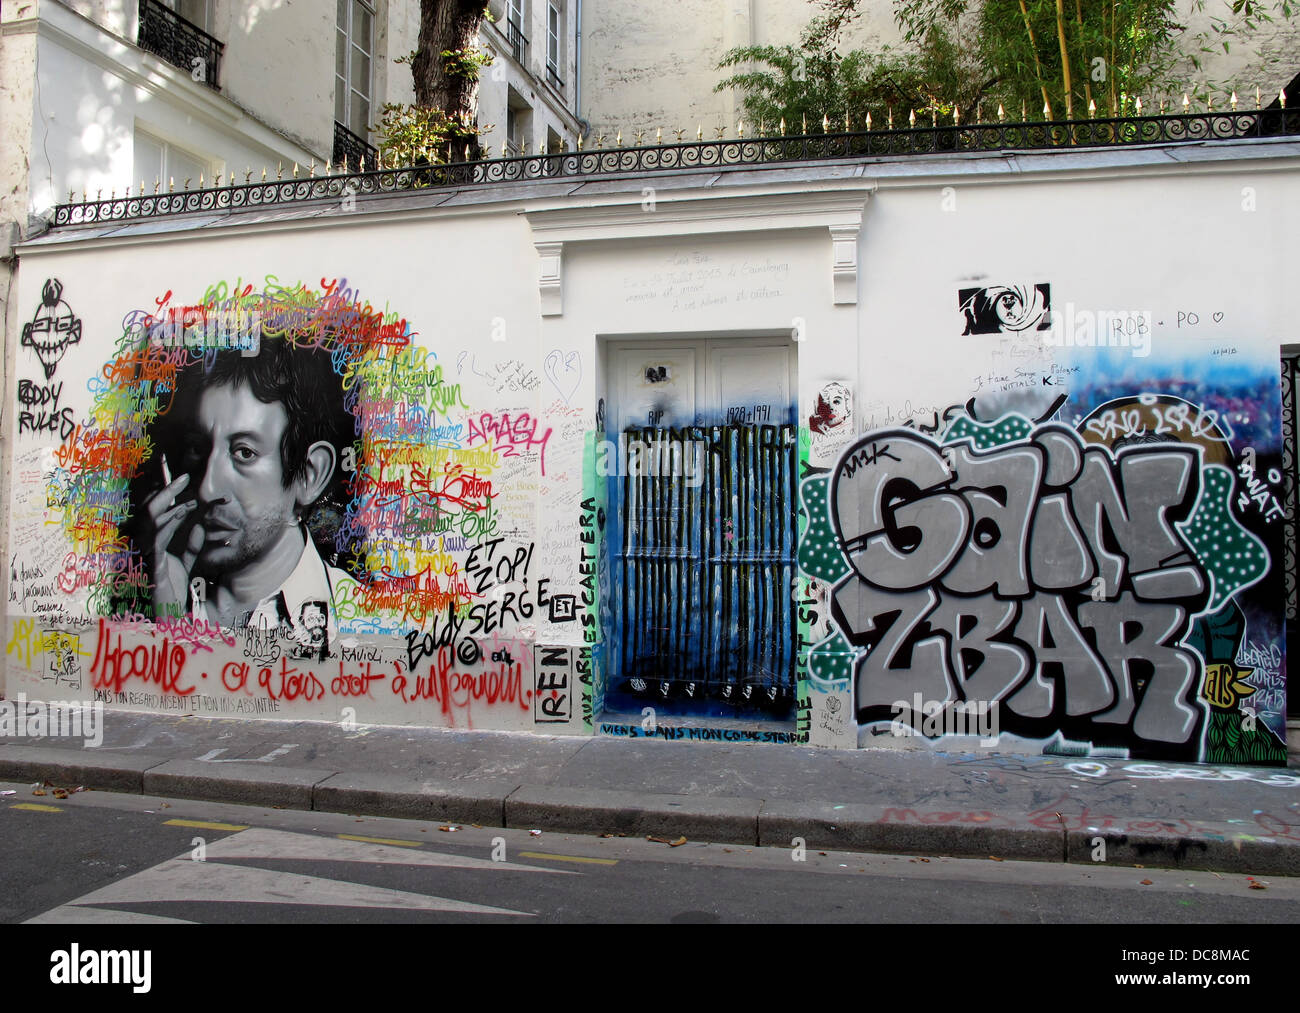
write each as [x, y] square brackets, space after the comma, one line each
[830, 423]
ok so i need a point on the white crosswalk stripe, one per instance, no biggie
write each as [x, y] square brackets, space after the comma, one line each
[184, 880]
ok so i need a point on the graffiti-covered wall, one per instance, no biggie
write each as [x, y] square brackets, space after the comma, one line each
[1058, 524]
[246, 485]
[832, 464]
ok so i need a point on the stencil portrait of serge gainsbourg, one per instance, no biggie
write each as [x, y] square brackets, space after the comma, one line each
[238, 514]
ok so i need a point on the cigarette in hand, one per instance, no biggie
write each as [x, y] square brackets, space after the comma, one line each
[167, 472]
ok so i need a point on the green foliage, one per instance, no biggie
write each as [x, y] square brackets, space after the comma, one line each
[414, 135]
[993, 52]
[799, 83]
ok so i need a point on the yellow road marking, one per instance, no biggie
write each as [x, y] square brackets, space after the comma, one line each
[379, 840]
[203, 825]
[36, 807]
[569, 858]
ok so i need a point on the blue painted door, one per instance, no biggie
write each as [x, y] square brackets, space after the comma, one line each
[702, 532]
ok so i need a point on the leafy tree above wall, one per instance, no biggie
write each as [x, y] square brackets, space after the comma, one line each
[1061, 58]
[440, 126]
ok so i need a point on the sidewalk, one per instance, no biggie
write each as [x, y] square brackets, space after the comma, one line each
[914, 801]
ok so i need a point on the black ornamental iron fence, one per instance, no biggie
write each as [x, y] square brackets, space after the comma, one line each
[181, 43]
[351, 152]
[687, 155]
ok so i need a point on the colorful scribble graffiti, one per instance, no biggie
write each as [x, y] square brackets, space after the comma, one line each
[1087, 579]
[278, 498]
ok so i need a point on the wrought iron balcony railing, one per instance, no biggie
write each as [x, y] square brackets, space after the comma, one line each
[518, 42]
[553, 77]
[988, 138]
[181, 43]
[350, 150]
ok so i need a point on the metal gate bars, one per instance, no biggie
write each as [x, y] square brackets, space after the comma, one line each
[706, 565]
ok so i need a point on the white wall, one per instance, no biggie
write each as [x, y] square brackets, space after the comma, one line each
[1113, 234]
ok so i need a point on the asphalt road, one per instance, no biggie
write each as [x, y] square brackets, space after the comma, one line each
[115, 859]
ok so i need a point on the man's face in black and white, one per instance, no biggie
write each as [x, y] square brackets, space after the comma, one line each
[232, 451]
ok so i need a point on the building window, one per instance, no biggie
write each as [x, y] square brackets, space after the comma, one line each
[176, 31]
[519, 122]
[352, 59]
[554, 49]
[515, 32]
[196, 12]
[158, 161]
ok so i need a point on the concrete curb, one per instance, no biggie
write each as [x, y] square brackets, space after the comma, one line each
[1229, 851]
[1209, 846]
[597, 811]
[250, 783]
[481, 802]
[69, 768]
[827, 827]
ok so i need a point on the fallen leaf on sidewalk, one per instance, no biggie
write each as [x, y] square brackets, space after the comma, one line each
[1146, 882]
[677, 843]
[60, 793]
[449, 829]
[925, 860]
[40, 791]
[165, 805]
[994, 858]
[1258, 886]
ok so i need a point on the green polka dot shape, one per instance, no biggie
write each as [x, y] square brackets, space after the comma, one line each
[1232, 556]
[987, 435]
[819, 549]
